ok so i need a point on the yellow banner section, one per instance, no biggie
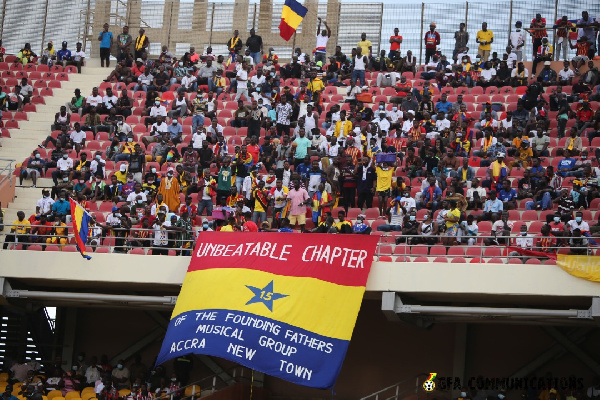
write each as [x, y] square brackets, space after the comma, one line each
[586, 267]
[290, 17]
[306, 303]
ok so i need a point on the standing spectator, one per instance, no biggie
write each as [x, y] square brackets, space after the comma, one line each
[106, 39]
[485, 38]
[142, 44]
[538, 32]
[241, 78]
[395, 42]
[299, 199]
[517, 41]
[359, 65]
[562, 36]
[432, 40]
[365, 45]
[255, 44]
[322, 39]
[461, 38]
[124, 45]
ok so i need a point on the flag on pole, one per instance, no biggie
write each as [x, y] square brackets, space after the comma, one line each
[291, 16]
[81, 223]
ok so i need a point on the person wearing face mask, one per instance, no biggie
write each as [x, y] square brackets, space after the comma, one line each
[579, 223]
[523, 241]
[120, 376]
[169, 189]
[156, 110]
[64, 184]
[34, 168]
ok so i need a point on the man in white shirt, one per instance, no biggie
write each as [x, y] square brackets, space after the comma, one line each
[133, 196]
[108, 101]
[145, 80]
[578, 223]
[242, 82]
[64, 164]
[565, 75]
[517, 41]
[442, 123]
[257, 79]
[382, 122]
[189, 81]
[408, 124]
[156, 110]
[352, 91]
[322, 39]
[44, 205]
[93, 100]
[523, 241]
[488, 75]
[156, 131]
[407, 201]
[512, 57]
[77, 138]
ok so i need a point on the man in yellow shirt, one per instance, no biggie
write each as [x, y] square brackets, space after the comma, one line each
[365, 45]
[343, 126]
[383, 185]
[121, 174]
[485, 38]
[523, 156]
[19, 233]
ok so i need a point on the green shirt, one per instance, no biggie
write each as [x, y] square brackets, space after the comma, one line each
[224, 179]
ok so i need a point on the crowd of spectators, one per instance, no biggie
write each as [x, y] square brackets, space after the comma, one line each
[301, 158]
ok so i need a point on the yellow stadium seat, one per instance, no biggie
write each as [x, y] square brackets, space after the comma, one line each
[3, 376]
[55, 394]
[88, 395]
[59, 398]
[124, 392]
[3, 386]
[44, 397]
[17, 385]
[72, 395]
[87, 391]
[194, 389]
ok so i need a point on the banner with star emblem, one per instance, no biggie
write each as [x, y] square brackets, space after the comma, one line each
[281, 303]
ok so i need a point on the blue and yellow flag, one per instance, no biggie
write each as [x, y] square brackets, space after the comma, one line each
[291, 16]
[279, 303]
[81, 223]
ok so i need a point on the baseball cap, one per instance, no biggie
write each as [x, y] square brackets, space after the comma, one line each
[547, 63]
[64, 43]
[501, 155]
[139, 60]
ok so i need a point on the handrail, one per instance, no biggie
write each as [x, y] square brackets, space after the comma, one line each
[396, 385]
[213, 377]
[130, 242]
[10, 169]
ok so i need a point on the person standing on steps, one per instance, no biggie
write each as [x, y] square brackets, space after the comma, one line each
[106, 39]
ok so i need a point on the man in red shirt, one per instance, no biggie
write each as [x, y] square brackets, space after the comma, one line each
[584, 117]
[563, 25]
[432, 40]
[538, 31]
[41, 229]
[583, 48]
[254, 150]
[395, 42]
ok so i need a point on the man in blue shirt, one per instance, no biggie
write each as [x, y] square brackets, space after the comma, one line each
[568, 166]
[62, 206]
[63, 55]
[508, 196]
[303, 168]
[175, 130]
[443, 105]
[105, 38]
[492, 205]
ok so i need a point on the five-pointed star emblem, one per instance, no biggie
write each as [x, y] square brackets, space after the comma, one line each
[265, 295]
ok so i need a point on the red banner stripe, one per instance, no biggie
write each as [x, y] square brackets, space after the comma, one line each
[285, 30]
[343, 262]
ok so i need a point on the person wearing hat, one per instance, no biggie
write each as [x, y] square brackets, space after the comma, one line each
[63, 55]
[77, 58]
[76, 104]
[496, 173]
[547, 76]
[544, 52]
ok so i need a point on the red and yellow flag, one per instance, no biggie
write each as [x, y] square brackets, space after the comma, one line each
[291, 16]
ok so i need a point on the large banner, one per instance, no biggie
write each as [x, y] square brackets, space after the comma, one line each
[281, 303]
[586, 267]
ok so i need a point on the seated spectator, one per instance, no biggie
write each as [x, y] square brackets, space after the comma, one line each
[578, 245]
[542, 198]
[469, 231]
[361, 227]
[523, 241]
[395, 216]
[77, 103]
[500, 230]
[547, 76]
[19, 232]
[519, 75]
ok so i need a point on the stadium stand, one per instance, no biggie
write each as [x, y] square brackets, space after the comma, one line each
[444, 161]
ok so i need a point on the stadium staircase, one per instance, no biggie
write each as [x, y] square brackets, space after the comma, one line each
[36, 127]
[29, 333]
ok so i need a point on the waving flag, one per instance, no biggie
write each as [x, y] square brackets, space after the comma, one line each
[81, 222]
[291, 16]
[279, 303]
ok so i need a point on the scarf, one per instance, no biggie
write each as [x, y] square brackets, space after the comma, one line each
[168, 183]
[571, 143]
[498, 171]
[262, 198]
[139, 42]
[486, 144]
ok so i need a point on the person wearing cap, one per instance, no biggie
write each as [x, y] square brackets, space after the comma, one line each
[544, 52]
[582, 56]
[144, 81]
[496, 173]
[547, 76]
[63, 55]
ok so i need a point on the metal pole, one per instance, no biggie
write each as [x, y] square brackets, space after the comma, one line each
[556, 53]
[337, 34]
[169, 28]
[45, 23]
[510, 17]
[466, 15]
[3, 15]
[254, 17]
[87, 25]
[422, 22]
[293, 46]
[34, 294]
[212, 19]
[380, 30]
[521, 312]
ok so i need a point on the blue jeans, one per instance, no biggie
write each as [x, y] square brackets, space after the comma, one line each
[140, 87]
[238, 183]
[122, 157]
[358, 74]
[546, 203]
[256, 57]
[205, 204]
[389, 228]
[256, 215]
[576, 174]
[197, 120]
[319, 56]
